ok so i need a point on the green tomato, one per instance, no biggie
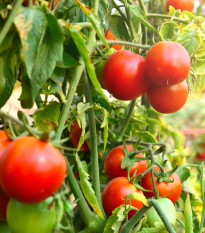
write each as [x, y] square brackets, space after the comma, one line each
[31, 218]
[168, 208]
[99, 70]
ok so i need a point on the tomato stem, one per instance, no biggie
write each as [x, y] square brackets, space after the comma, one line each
[120, 11]
[112, 42]
[30, 3]
[202, 217]
[8, 116]
[154, 15]
[129, 21]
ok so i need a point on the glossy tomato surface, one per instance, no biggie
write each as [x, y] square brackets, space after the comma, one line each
[167, 207]
[4, 141]
[31, 218]
[124, 75]
[168, 99]
[114, 193]
[113, 160]
[172, 190]
[110, 36]
[183, 5]
[167, 63]
[74, 136]
[3, 204]
[31, 170]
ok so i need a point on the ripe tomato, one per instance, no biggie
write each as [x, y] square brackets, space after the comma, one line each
[31, 218]
[167, 207]
[25, 2]
[3, 205]
[168, 99]
[124, 75]
[167, 63]
[183, 5]
[114, 193]
[31, 170]
[173, 190]
[4, 141]
[110, 36]
[74, 136]
[113, 160]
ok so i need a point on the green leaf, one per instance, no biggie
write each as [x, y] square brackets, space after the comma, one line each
[188, 216]
[67, 62]
[46, 118]
[31, 26]
[189, 38]
[169, 30]
[7, 42]
[9, 63]
[138, 197]
[115, 220]
[80, 44]
[105, 11]
[127, 162]
[183, 173]
[146, 137]
[87, 187]
[141, 17]
[118, 28]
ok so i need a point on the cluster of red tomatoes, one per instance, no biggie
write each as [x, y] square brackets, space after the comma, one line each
[116, 190]
[31, 171]
[161, 75]
[183, 5]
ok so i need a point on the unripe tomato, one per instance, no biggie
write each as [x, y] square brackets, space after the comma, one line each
[183, 5]
[124, 75]
[110, 36]
[31, 170]
[167, 63]
[168, 99]
[3, 204]
[172, 190]
[114, 193]
[99, 70]
[31, 218]
[113, 160]
[74, 136]
[167, 207]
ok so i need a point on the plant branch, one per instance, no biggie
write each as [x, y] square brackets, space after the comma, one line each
[142, 5]
[96, 6]
[202, 217]
[10, 117]
[153, 15]
[129, 21]
[120, 12]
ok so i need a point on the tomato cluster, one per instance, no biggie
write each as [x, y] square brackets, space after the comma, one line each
[183, 5]
[110, 36]
[115, 191]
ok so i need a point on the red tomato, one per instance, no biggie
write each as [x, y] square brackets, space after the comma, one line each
[110, 36]
[200, 156]
[167, 63]
[173, 190]
[4, 141]
[114, 193]
[113, 160]
[25, 2]
[183, 5]
[124, 75]
[31, 170]
[74, 136]
[3, 204]
[168, 99]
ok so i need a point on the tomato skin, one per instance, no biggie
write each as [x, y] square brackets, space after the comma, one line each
[74, 136]
[173, 190]
[4, 141]
[31, 170]
[183, 5]
[167, 207]
[110, 36]
[200, 156]
[168, 99]
[3, 204]
[113, 160]
[124, 75]
[99, 70]
[31, 218]
[115, 191]
[25, 2]
[167, 63]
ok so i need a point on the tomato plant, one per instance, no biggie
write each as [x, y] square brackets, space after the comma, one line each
[167, 63]
[74, 136]
[110, 36]
[114, 193]
[31, 218]
[124, 76]
[183, 5]
[159, 97]
[168, 208]
[171, 190]
[3, 204]
[112, 164]
[31, 170]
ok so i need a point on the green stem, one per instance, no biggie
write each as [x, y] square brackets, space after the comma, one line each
[83, 25]
[120, 12]
[10, 20]
[96, 6]
[112, 42]
[93, 142]
[202, 218]
[153, 15]
[142, 5]
[30, 3]
[129, 21]
[152, 174]
[126, 120]
[7, 116]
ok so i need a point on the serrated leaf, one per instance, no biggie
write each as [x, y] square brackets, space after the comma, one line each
[138, 197]
[127, 162]
[146, 137]
[87, 187]
[46, 118]
[118, 28]
[183, 173]
[188, 216]
[80, 44]
[140, 224]
[141, 17]
[169, 30]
